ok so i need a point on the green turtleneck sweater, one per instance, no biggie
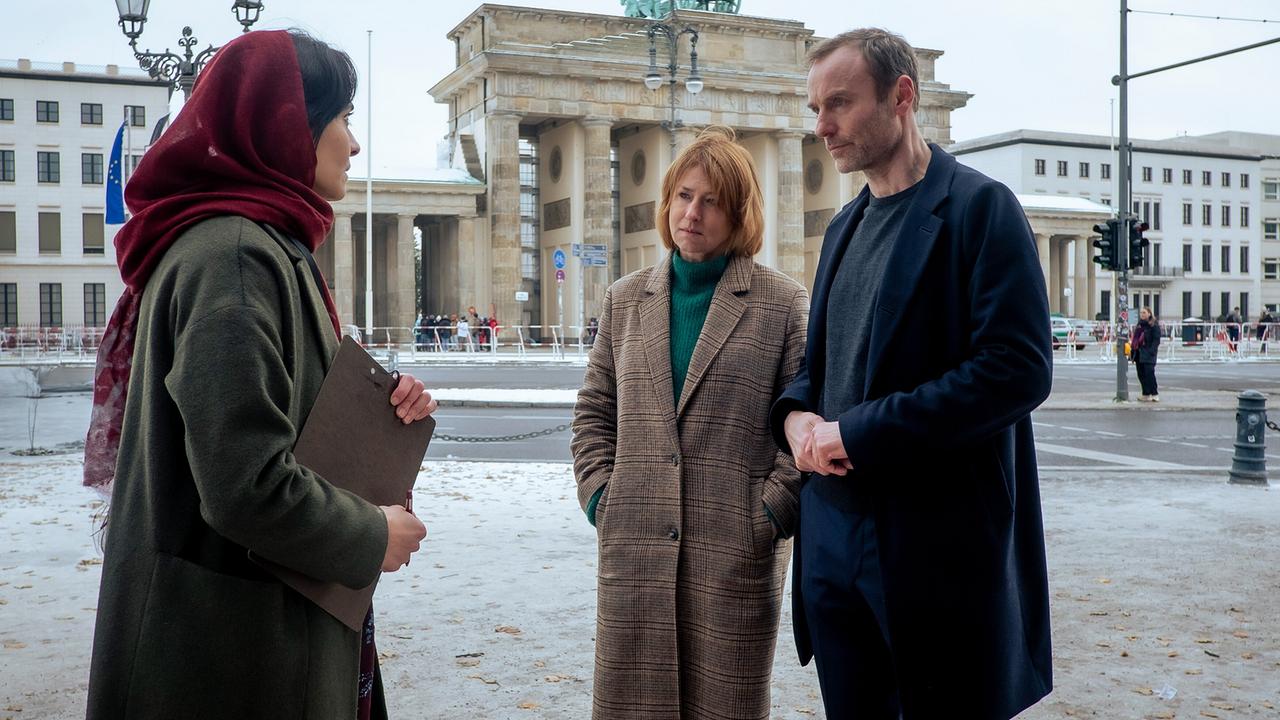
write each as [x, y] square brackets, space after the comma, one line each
[692, 284]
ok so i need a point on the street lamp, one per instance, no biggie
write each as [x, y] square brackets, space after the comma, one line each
[653, 79]
[178, 71]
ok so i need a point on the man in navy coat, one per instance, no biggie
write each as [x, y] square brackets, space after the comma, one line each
[919, 582]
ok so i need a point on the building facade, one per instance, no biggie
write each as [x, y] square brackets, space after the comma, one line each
[57, 126]
[1202, 200]
[549, 110]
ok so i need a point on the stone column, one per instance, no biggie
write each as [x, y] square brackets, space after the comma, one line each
[465, 263]
[1092, 280]
[684, 136]
[1080, 286]
[404, 306]
[344, 275]
[791, 206]
[597, 211]
[1042, 249]
[502, 133]
[1055, 274]
[1064, 262]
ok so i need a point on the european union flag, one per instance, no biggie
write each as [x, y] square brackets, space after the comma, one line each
[115, 185]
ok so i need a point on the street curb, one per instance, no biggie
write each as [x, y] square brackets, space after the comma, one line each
[504, 404]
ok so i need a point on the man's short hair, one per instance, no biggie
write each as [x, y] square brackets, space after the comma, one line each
[888, 56]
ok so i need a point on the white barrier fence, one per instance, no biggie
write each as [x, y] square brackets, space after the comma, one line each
[1087, 341]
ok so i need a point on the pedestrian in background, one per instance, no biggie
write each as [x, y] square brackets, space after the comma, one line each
[691, 499]
[1144, 347]
[234, 330]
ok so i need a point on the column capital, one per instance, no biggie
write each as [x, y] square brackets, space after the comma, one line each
[595, 121]
[792, 134]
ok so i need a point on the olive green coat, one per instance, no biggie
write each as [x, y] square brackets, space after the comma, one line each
[233, 342]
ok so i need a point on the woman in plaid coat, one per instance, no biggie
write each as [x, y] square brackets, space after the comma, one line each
[675, 465]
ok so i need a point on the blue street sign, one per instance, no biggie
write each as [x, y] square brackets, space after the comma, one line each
[594, 261]
[558, 258]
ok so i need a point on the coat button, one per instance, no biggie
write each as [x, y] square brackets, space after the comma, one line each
[675, 458]
[673, 533]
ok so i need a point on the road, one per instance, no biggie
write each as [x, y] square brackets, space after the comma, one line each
[1065, 439]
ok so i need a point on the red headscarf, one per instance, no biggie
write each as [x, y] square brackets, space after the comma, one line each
[241, 146]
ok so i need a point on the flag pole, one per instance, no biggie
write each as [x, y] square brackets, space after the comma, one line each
[368, 198]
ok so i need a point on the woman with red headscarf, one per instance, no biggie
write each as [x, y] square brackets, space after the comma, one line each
[212, 360]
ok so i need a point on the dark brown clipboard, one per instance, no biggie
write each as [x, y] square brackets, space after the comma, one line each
[353, 440]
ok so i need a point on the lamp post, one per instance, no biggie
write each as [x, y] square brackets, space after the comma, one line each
[653, 80]
[179, 71]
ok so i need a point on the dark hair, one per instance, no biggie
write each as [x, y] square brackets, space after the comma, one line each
[888, 56]
[328, 80]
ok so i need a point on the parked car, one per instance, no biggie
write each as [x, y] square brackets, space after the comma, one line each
[1062, 326]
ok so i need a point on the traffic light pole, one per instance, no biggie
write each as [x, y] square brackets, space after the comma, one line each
[1124, 203]
[1121, 319]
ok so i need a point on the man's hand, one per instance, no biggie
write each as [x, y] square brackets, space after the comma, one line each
[404, 536]
[797, 427]
[825, 448]
[411, 400]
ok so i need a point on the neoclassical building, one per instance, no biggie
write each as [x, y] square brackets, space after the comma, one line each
[549, 110]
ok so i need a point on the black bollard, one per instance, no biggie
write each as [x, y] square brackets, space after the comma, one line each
[1249, 463]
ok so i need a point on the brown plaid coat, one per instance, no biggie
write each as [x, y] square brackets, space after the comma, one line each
[691, 570]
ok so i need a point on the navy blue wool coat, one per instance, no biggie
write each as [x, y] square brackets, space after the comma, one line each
[942, 446]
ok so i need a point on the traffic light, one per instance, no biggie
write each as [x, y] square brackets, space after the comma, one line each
[1106, 244]
[1137, 244]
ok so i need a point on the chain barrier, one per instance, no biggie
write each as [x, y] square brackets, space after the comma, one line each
[502, 438]
[1273, 426]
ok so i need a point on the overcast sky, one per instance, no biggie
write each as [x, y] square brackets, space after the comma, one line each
[1039, 64]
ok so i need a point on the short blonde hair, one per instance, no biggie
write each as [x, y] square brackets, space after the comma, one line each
[732, 174]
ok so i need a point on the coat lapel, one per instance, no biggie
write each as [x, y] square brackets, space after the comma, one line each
[655, 328]
[909, 255]
[834, 243]
[313, 302]
[727, 307]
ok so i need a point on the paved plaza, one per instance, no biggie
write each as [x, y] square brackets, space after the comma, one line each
[1163, 586]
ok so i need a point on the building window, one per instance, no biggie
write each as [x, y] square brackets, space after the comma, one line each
[1039, 167]
[1186, 257]
[1225, 302]
[8, 304]
[6, 108]
[1206, 214]
[1271, 229]
[1244, 215]
[50, 304]
[1206, 299]
[1166, 175]
[1226, 259]
[94, 233]
[1271, 189]
[1206, 178]
[8, 232]
[1244, 259]
[1186, 177]
[95, 304]
[1084, 169]
[47, 111]
[1186, 304]
[1105, 171]
[1104, 305]
[1106, 201]
[1206, 258]
[1271, 269]
[91, 113]
[1226, 216]
[8, 168]
[1062, 168]
[1186, 213]
[91, 168]
[50, 231]
[48, 167]
[1146, 174]
[1244, 306]
[1155, 215]
[1226, 179]
[1244, 181]
[135, 115]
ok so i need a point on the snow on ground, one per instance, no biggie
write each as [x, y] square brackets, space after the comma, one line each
[1160, 586]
